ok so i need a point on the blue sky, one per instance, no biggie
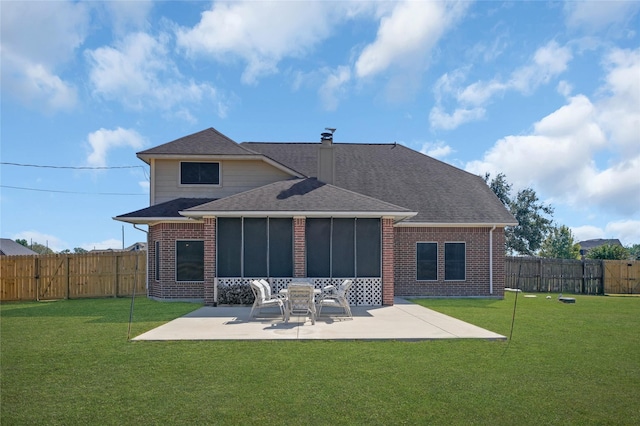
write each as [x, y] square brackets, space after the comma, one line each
[547, 93]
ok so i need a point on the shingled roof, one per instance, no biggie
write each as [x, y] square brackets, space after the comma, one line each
[376, 177]
[163, 211]
[308, 196]
[206, 142]
[439, 192]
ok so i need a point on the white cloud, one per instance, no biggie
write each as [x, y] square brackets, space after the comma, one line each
[627, 231]
[110, 243]
[436, 149]
[559, 156]
[103, 140]
[140, 73]
[442, 120]
[407, 35]
[260, 34]
[37, 40]
[593, 16]
[54, 243]
[334, 87]
[546, 63]
[127, 14]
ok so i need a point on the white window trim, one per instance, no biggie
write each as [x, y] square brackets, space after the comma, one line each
[200, 185]
[445, 260]
[437, 251]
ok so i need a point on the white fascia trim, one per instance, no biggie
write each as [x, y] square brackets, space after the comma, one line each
[147, 159]
[254, 213]
[153, 220]
[454, 225]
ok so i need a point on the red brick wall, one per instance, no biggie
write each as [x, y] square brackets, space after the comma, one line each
[167, 287]
[299, 247]
[477, 262]
[388, 264]
[209, 261]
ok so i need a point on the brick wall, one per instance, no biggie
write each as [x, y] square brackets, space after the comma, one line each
[477, 262]
[166, 286]
[299, 247]
[388, 263]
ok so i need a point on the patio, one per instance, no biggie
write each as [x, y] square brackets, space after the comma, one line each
[402, 321]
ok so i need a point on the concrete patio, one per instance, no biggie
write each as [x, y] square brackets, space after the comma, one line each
[402, 321]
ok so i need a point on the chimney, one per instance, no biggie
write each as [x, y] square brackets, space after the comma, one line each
[326, 157]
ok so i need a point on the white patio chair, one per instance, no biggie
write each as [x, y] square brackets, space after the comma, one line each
[261, 301]
[336, 297]
[300, 301]
[268, 294]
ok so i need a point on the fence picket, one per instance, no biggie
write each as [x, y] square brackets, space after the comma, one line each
[70, 276]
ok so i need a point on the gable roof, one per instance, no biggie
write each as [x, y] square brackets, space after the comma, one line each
[308, 196]
[11, 248]
[205, 142]
[439, 192]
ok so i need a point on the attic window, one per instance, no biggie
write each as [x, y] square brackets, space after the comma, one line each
[194, 173]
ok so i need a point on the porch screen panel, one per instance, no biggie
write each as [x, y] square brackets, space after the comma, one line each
[318, 233]
[255, 247]
[368, 247]
[343, 248]
[281, 247]
[229, 249]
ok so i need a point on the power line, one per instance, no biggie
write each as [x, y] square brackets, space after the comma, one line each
[72, 167]
[68, 192]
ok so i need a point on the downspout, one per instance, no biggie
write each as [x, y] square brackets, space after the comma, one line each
[146, 273]
[491, 259]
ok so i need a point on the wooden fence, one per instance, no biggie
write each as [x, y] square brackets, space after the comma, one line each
[72, 276]
[533, 274]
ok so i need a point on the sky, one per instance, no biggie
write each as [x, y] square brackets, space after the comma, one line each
[547, 93]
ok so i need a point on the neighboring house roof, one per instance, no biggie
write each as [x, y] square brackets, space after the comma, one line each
[589, 244]
[11, 248]
[163, 211]
[299, 195]
[439, 192]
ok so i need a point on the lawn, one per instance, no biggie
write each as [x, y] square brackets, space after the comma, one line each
[69, 362]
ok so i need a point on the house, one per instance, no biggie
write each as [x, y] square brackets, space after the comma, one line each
[396, 221]
[11, 248]
[587, 245]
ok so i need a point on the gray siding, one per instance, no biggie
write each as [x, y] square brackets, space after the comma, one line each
[236, 176]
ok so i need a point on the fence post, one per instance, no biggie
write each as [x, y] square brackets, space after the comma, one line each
[67, 296]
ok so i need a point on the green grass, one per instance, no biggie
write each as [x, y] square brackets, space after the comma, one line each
[69, 362]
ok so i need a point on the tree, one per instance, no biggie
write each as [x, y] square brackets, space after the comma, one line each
[634, 252]
[608, 252]
[41, 248]
[22, 242]
[560, 244]
[534, 218]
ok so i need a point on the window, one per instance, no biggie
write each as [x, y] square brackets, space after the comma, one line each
[255, 247]
[189, 260]
[427, 261]
[343, 247]
[192, 173]
[157, 260]
[454, 261]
